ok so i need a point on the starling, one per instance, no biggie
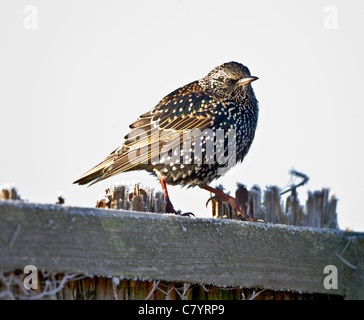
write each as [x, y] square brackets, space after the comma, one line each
[192, 136]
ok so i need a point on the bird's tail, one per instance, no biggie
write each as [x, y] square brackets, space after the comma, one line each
[96, 173]
[115, 163]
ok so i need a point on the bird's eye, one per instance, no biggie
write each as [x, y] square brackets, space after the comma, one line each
[229, 81]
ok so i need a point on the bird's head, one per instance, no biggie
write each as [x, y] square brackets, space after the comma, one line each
[228, 80]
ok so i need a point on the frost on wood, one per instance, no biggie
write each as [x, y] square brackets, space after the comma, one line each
[141, 199]
[319, 211]
[8, 192]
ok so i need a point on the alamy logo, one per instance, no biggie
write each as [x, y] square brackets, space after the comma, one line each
[31, 280]
[209, 147]
[331, 18]
[330, 281]
[31, 19]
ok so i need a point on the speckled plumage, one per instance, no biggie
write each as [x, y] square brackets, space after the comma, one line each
[159, 140]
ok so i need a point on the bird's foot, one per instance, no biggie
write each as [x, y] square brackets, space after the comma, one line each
[239, 211]
[170, 209]
[169, 206]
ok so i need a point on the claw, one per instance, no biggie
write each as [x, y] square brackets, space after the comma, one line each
[187, 214]
[179, 213]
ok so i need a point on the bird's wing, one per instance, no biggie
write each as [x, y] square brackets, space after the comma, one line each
[187, 108]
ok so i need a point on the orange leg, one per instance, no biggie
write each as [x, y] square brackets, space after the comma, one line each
[169, 206]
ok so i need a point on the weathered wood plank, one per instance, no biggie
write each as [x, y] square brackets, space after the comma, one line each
[219, 252]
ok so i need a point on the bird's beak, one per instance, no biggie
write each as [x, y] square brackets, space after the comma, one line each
[247, 80]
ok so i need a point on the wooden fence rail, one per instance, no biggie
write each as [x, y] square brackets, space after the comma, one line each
[118, 254]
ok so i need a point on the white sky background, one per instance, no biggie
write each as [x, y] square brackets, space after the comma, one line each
[70, 88]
